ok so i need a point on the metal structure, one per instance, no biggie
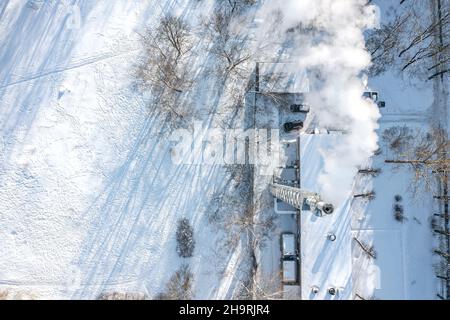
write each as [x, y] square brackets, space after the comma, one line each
[297, 198]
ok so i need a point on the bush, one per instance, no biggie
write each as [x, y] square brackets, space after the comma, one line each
[398, 138]
[122, 296]
[185, 239]
[16, 295]
[399, 213]
[179, 286]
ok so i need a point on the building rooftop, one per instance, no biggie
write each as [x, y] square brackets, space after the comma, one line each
[325, 264]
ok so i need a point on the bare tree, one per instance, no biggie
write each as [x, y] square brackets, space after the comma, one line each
[237, 208]
[166, 69]
[235, 7]
[398, 138]
[442, 254]
[268, 287]
[442, 232]
[122, 296]
[367, 195]
[370, 171]
[179, 286]
[359, 297]
[382, 44]
[427, 156]
[416, 43]
[232, 211]
[369, 250]
[237, 219]
[17, 295]
[229, 46]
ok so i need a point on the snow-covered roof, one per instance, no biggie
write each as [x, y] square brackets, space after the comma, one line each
[289, 274]
[325, 263]
[288, 242]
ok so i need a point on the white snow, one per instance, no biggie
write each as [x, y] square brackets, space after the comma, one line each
[90, 197]
[325, 264]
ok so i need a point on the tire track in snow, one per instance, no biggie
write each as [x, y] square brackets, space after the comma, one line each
[57, 283]
[75, 65]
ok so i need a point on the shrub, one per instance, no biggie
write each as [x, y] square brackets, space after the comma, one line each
[179, 286]
[185, 239]
[122, 296]
[399, 213]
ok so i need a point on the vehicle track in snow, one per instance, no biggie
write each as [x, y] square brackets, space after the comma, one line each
[62, 284]
[74, 65]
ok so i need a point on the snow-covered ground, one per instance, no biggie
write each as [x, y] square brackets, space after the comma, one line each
[89, 195]
[405, 250]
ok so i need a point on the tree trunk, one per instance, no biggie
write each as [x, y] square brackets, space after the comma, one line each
[442, 254]
[443, 232]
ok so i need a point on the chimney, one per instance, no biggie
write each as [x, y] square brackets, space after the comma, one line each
[314, 202]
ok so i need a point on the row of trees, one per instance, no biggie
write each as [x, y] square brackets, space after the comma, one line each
[413, 43]
[169, 68]
[418, 46]
[427, 155]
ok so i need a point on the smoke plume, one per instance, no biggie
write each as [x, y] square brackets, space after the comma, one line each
[325, 39]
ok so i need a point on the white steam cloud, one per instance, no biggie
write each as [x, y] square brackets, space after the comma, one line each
[332, 50]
